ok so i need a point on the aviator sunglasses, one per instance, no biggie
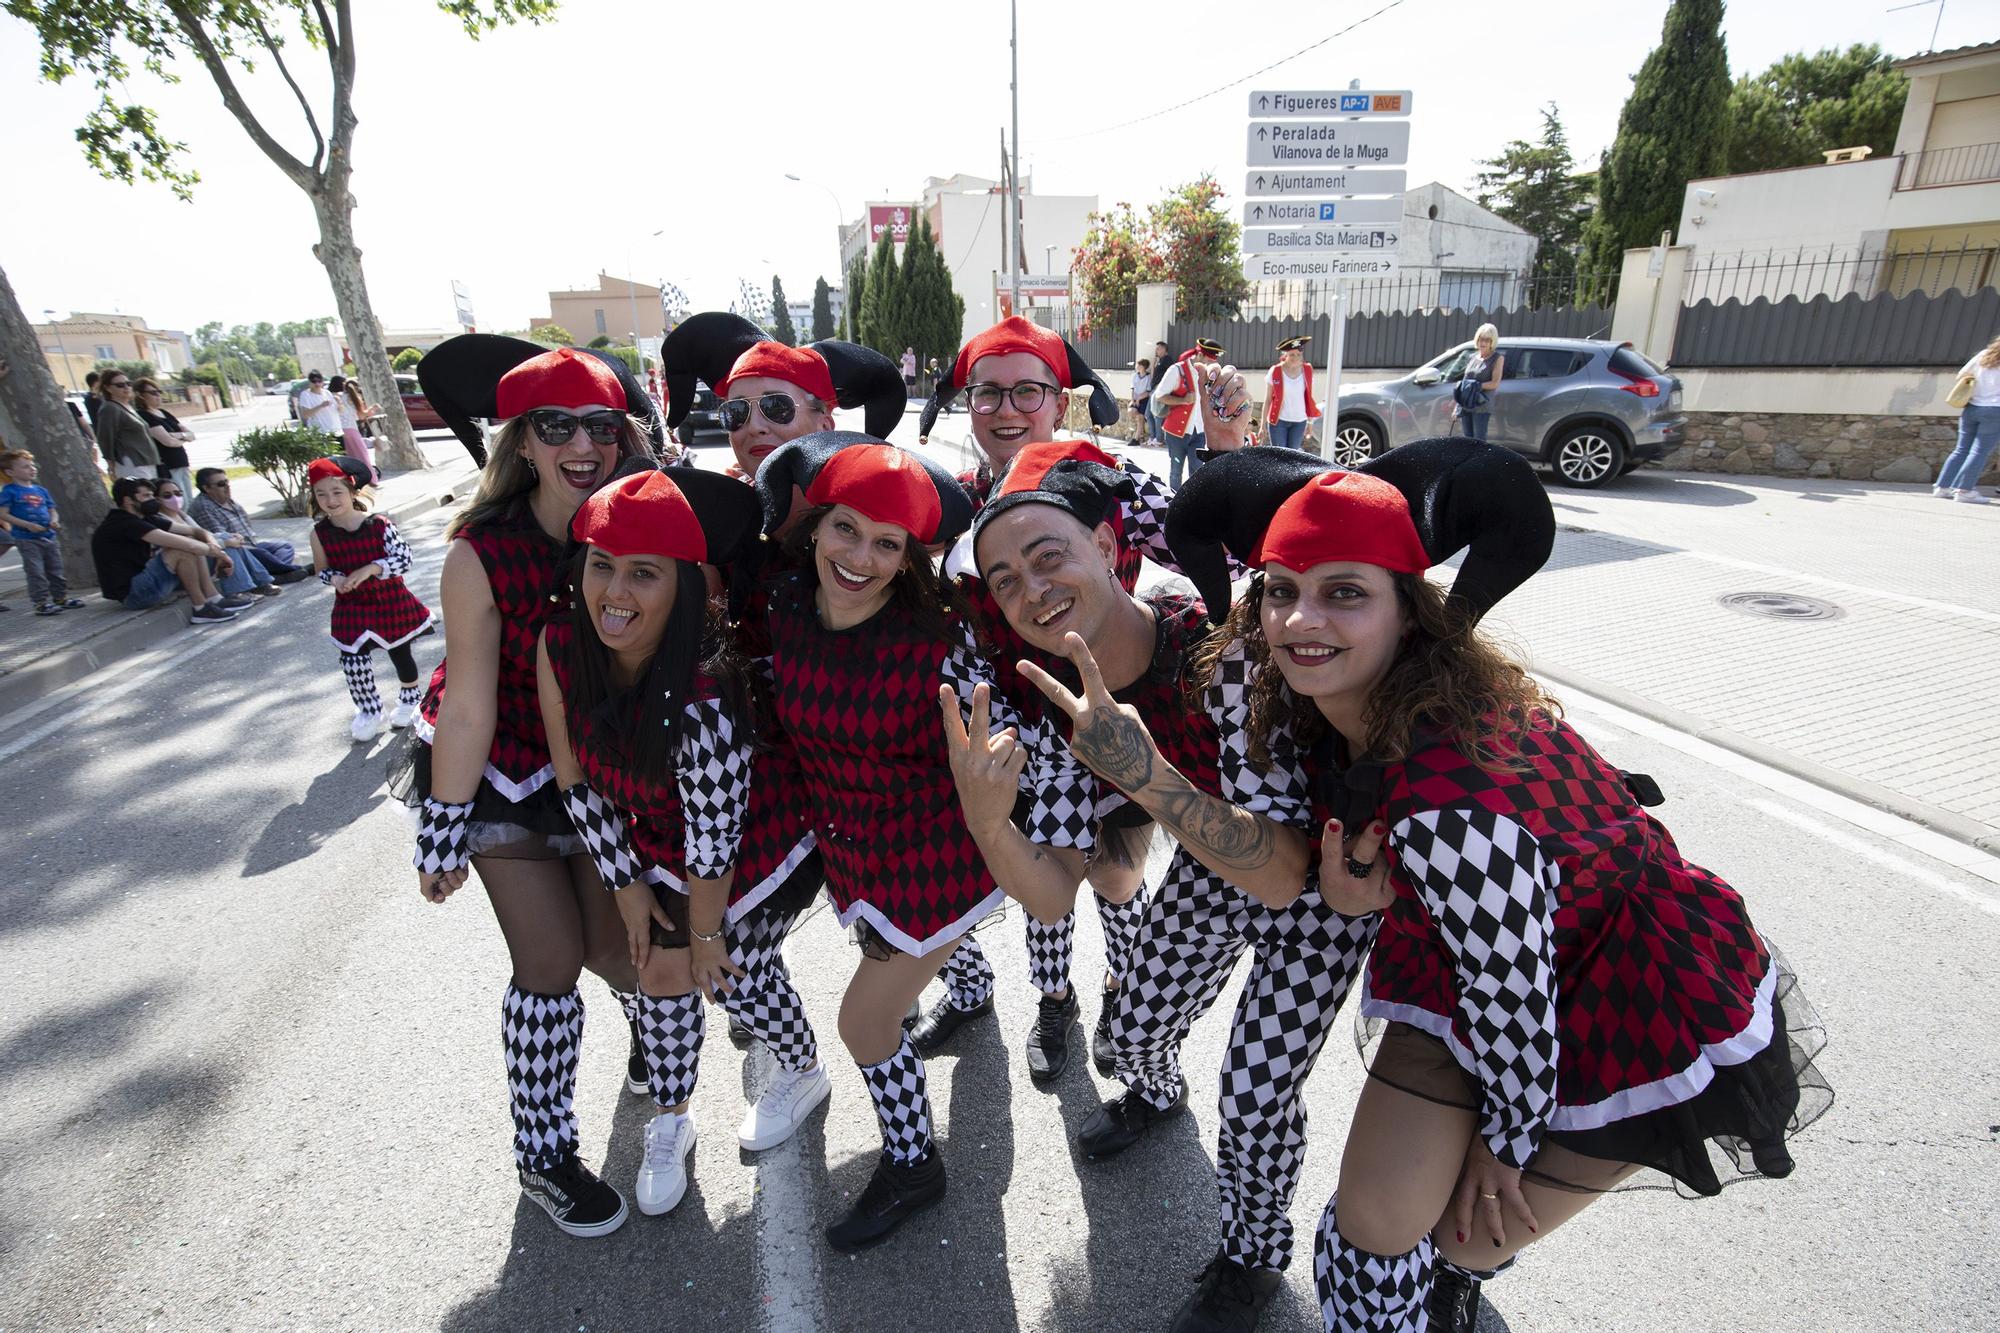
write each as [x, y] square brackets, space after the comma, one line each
[555, 428]
[778, 409]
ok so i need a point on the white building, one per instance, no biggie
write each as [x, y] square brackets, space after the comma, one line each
[802, 312]
[1927, 217]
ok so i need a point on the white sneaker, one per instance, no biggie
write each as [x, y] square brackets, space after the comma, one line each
[366, 726]
[1971, 497]
[783, 1108]
[403, 716]
[663, 1176]
[1942, 492]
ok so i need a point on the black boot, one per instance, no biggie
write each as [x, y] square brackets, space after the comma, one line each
[894, 1194]
[935, 1028]
[635, 1062]
[1102, 1053]
[1453, 1305]
[1228, 1298]
[1117, 1125]
[1048, 1040]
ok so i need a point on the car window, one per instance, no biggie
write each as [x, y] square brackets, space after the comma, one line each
[1452, 364]
[1544, 363]
[1626, 361]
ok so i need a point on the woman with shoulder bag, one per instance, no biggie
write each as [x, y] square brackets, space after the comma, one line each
[1474, 391]
[1977, 393]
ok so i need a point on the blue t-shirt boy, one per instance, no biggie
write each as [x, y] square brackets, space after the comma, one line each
[32, 503]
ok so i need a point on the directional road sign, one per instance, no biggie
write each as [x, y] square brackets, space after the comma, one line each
[1318, 266]
[1316, 240]
[1329, 143]
[1340, 102]
[1291, 212]
[1325, 181]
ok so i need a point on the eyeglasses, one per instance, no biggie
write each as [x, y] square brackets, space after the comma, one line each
[558, 428]
[117, 384]
[778, 409]
[1028, 396]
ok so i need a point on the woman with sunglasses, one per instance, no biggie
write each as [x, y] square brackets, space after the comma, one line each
[863, 635]
[123, 436]
[480, 770]
[169, 436]
[1557, 998]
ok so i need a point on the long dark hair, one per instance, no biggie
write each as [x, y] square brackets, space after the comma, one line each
[917, 585]
[696, 638]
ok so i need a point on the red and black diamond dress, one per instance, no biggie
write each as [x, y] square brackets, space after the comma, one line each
[517, 810]
[381, 612]
[1591, 989]
[861, 707]
[727, 807]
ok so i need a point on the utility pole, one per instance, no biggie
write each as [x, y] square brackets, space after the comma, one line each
[1014, 193]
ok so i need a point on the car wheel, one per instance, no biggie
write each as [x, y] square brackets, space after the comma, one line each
[1587, 457]
[1355, 441]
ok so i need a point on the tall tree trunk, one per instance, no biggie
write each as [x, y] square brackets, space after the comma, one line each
[32, 417]
[338, 254]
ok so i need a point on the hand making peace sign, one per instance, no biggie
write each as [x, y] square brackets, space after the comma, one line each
[986, 767]
[1107, 736]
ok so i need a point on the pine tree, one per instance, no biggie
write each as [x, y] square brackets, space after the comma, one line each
[781, 318]
[1536, 187]
[881, 326]
[1805, 104]
[1673, 129]
[855, 315]
[822, 310]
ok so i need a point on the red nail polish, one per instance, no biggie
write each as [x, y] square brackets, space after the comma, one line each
[1461, 1238]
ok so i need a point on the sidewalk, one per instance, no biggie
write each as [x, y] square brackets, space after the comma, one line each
[42, 653]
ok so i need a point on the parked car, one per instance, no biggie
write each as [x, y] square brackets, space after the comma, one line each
[703, 424]
[422, 415]
[1592, 410]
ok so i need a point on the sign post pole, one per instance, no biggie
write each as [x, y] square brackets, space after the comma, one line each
[1336, 349]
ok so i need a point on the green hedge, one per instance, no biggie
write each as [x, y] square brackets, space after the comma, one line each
[281, 455]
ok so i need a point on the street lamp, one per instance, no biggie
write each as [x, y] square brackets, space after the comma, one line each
[68, 369]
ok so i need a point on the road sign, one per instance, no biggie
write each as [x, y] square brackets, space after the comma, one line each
[1329, 143]
[1340, 102]
[1316, 240]
[1256, 267]
[1292, 212]
[1268, 183]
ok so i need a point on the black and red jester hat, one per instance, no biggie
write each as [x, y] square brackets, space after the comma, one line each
[1019, 334]
[461, 378]
[716, 347]
[870, 476]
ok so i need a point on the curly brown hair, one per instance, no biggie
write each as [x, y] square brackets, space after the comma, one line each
[1447, 679]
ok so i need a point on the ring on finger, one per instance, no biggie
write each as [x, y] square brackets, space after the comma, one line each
[1360, 869]
[1489, 1196]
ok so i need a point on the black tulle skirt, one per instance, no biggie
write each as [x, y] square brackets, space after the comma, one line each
[533, 828]
[1747, 1111]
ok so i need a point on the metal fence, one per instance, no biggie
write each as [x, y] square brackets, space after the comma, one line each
[1834, 272]
[1828, 332]
[1948, 166]
[1400, 341]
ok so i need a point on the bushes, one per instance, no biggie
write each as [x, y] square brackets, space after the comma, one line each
[407, 359]
[281, 455]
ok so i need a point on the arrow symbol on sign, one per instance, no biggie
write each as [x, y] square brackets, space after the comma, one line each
[1260, 182]
[1262, 134]
[1263, 102]
[1259, 214]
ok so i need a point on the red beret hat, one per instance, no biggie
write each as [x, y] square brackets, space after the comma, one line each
[1344, 516]
[320, 469]
[563, 377]
[1032, 464]
[883, 483]
[794, 365]
[644, 514]
[1015, 334]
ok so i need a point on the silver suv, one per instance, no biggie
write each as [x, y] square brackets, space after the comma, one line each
[1592, 410]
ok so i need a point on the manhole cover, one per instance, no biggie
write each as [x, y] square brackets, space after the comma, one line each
[1781, 606]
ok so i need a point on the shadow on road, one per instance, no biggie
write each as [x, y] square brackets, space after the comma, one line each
[335, 799]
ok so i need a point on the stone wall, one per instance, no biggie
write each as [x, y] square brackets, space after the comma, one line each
[1848, 447]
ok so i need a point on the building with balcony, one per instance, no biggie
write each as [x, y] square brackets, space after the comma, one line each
[1925, 218]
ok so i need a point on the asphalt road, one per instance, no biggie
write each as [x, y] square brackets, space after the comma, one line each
[248, 1080]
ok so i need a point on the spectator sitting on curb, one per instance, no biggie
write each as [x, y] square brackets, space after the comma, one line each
[217, 511]
[34, 526]
[249, 575]
[142, 560]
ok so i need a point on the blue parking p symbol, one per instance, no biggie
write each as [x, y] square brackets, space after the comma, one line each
[1326, 212]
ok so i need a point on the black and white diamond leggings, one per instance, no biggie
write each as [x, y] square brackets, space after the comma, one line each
[902, 1103]
[968, 976]
[541, 1035]
[1194, 930]
[359, 668]
[1361, 1292]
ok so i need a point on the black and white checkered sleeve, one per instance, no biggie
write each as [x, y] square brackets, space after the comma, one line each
[327, 576]
[1491, 891]
[1062, 810]
[396, 558]
[1278, 792]
[714, 772]
[601, 825]
[442, 832]
[1146, 516]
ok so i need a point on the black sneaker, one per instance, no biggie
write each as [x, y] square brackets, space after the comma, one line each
[636, 1078]
[935, 1028]
[1453, 1304]
[1117, 1125]
[72, 603]
[1048, 1040]
[268, 590]
[740, 1035]
[894, 1195]
[211, 615]
[1102, 1053]
[1228, 1298]
[571, 1193]
[48, 609]
[233, 602]
[292, 576]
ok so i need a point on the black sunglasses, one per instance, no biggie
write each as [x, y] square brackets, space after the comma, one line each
[778, 409]
[555, 428]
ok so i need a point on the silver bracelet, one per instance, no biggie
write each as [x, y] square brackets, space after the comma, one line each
[705, 939]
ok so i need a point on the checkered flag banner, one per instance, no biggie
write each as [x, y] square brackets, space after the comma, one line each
[602, 829]
[441, 837]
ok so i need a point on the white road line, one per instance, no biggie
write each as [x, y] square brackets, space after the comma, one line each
[209, 637]
[1867, 851]
[787, 1242]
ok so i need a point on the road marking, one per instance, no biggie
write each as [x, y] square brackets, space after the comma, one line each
[787, 1241]
[210, 638]
[1867, 851]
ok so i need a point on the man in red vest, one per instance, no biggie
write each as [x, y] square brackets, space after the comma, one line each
[1174, 395]
[1289, 408]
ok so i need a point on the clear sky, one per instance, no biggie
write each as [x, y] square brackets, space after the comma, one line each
[532, 159]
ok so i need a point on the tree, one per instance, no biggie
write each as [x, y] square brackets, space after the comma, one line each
[822, 310]
[880, 326]
[552, 335]
[781, 317]
[1114, 258]
[932, 315]
[1200, 249]
[32, 414]
[1806, 104]
[601, 340]
[854, 311]
[105, 38]
[1672, 129]
[406, 360]
[1536, 187]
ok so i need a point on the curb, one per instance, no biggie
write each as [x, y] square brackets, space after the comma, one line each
[134, 633]
[1939, 820]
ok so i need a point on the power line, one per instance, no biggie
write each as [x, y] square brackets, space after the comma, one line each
[1202, 97]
